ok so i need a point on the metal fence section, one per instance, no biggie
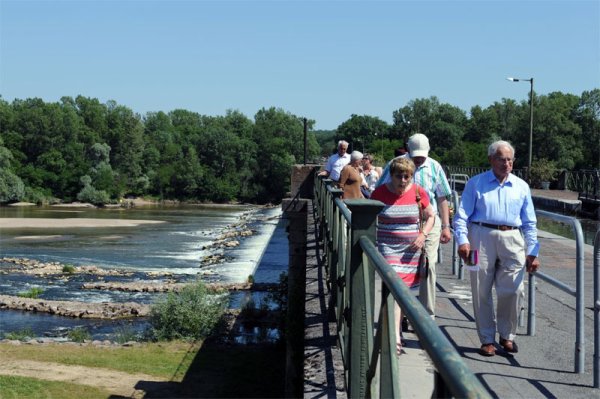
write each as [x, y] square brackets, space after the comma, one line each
[457, 262]
[577, 292]
[368, 340]
[584, 181]
[597, 310]
[475, 170]
[458, 178]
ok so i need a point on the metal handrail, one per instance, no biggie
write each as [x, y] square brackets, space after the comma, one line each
[597, 310]
[459, 379]
[475, 170]
[578, 292]
[457, 262]
[457, 178]
[368, 345]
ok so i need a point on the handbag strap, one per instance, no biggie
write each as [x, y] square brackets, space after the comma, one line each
[418, 197]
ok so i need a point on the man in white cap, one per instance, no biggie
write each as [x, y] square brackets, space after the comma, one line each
[336, 162]
[429, 175]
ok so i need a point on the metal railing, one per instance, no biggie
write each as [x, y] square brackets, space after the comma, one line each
[368, 340]
[584, 181]
[457, 178]
[577, 292]
[475, 170]
[457, 262]
[597, 310]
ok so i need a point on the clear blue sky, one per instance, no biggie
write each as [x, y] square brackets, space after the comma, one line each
[323, 60]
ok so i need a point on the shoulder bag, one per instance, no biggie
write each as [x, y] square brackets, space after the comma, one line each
[423, 266]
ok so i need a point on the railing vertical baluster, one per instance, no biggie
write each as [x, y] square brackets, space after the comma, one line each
[334, 250]
[389, 383]
[578, 292]
[596, 370]
[364, 222]
[455, 204]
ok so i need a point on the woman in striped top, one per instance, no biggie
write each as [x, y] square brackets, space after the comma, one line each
[399, 238]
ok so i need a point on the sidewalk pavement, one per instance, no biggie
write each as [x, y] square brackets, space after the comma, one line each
[545, 364]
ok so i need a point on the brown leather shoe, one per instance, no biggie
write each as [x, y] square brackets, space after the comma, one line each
[487, 350]
[509, 346]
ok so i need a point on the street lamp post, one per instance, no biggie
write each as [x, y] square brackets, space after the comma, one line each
[530, 118]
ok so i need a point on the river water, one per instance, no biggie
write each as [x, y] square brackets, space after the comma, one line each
[177, 246]
[589, 227]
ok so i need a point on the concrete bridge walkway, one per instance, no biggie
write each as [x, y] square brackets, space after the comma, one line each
[544, 366]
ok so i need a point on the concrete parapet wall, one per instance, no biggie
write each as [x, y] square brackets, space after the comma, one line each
[303, 180]
[570, 207]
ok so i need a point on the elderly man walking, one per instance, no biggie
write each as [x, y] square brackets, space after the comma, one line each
[496, 218]
[429, 175]
[336, 162]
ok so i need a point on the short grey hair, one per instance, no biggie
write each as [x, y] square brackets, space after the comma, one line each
[493, 148]
[343, 142]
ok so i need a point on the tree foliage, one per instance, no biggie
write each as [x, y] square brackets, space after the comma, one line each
[47, 148]
[361, 131]
[566, 128]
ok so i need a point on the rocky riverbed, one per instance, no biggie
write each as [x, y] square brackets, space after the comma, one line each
[84, 310]
[156, 282]
[171, 286]
[101, 294]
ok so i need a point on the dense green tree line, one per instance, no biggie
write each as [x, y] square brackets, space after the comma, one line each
[566, 130]
[81, 149]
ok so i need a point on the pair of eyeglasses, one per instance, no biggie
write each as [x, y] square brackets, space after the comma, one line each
[504, 160]
[403, 176]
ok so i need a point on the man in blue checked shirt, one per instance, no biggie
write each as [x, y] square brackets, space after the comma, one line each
[496, 217]
[429, 175]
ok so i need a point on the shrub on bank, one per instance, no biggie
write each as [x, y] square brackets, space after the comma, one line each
[68, 268]
[33, 293]
[20, 335]
[79, 334]
[125, 334]
[189, 314]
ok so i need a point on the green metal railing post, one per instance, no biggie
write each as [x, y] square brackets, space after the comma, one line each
[361, 294]
[343, 218]
[333, 259]
[327, 221]
[388, 384]
[321, 188]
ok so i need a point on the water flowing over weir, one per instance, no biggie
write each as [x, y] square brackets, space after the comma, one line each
[177, 246]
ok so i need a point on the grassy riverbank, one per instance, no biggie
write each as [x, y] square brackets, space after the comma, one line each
[168, 369]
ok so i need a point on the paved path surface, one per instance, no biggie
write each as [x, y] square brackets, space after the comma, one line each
[323, 364]
[545, 364]
[556, 194]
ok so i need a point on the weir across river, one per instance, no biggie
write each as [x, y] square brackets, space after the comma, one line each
[544, 367]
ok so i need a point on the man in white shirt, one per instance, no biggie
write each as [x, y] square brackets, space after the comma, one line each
[336, 162]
